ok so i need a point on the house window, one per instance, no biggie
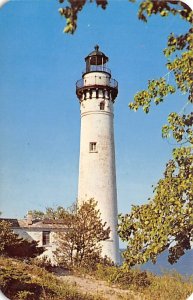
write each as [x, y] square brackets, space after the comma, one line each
[46, 238]
[102, 106]
[92, 147]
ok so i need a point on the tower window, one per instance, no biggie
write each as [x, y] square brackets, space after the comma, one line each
[102, 106]
[46, 238]
[92, 147]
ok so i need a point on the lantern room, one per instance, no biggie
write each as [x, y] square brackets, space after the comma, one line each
[96, 61]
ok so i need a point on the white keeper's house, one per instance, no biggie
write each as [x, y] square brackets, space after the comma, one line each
[42, 231]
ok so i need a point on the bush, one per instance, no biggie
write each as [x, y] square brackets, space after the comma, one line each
[170, 285]
[21, 281]
[25, 295]
[167, 286]
[12, 245]
[125, 279]
[79, 245]
[121, 277]
[42, 262]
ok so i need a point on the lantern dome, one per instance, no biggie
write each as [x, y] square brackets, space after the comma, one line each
[96, 57]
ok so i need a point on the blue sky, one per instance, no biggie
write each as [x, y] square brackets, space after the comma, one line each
[39, 111]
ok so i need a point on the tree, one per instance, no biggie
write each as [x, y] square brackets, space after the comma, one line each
[80, 244]
[71, 10]
[167, 220]
[50, 213]
[181, 66]
[13, 246]
[146, 8]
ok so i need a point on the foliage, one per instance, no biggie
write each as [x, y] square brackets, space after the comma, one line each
[145, 284]
[50, 213]
[169, 286]
[122, 277]
[179, 125]
[80, 244]
[71, 10]
[181, 66]
[25, 295]
[129, 278]
[42, 262]
[6, 235]
[19, 280]
[146, 8]
[167, 220]
[36, 214]
[164, 8]
[14, 246]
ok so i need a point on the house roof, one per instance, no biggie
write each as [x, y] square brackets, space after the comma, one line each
[46, 223]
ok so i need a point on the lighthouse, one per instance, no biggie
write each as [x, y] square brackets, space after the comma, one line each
[97, 92]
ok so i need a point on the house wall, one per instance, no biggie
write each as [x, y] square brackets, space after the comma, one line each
[36, 234]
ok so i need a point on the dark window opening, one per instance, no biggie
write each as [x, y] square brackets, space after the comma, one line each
[102, 106]
[92, 147]
[46, 238]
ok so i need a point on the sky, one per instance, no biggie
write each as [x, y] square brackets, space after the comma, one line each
[39, 111]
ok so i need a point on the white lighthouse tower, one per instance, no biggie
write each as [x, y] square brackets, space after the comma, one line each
[96, 92]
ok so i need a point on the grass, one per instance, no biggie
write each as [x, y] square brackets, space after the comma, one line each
[168, 286]
[21, 281]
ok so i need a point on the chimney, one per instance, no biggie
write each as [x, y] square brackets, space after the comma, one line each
[29, 218]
